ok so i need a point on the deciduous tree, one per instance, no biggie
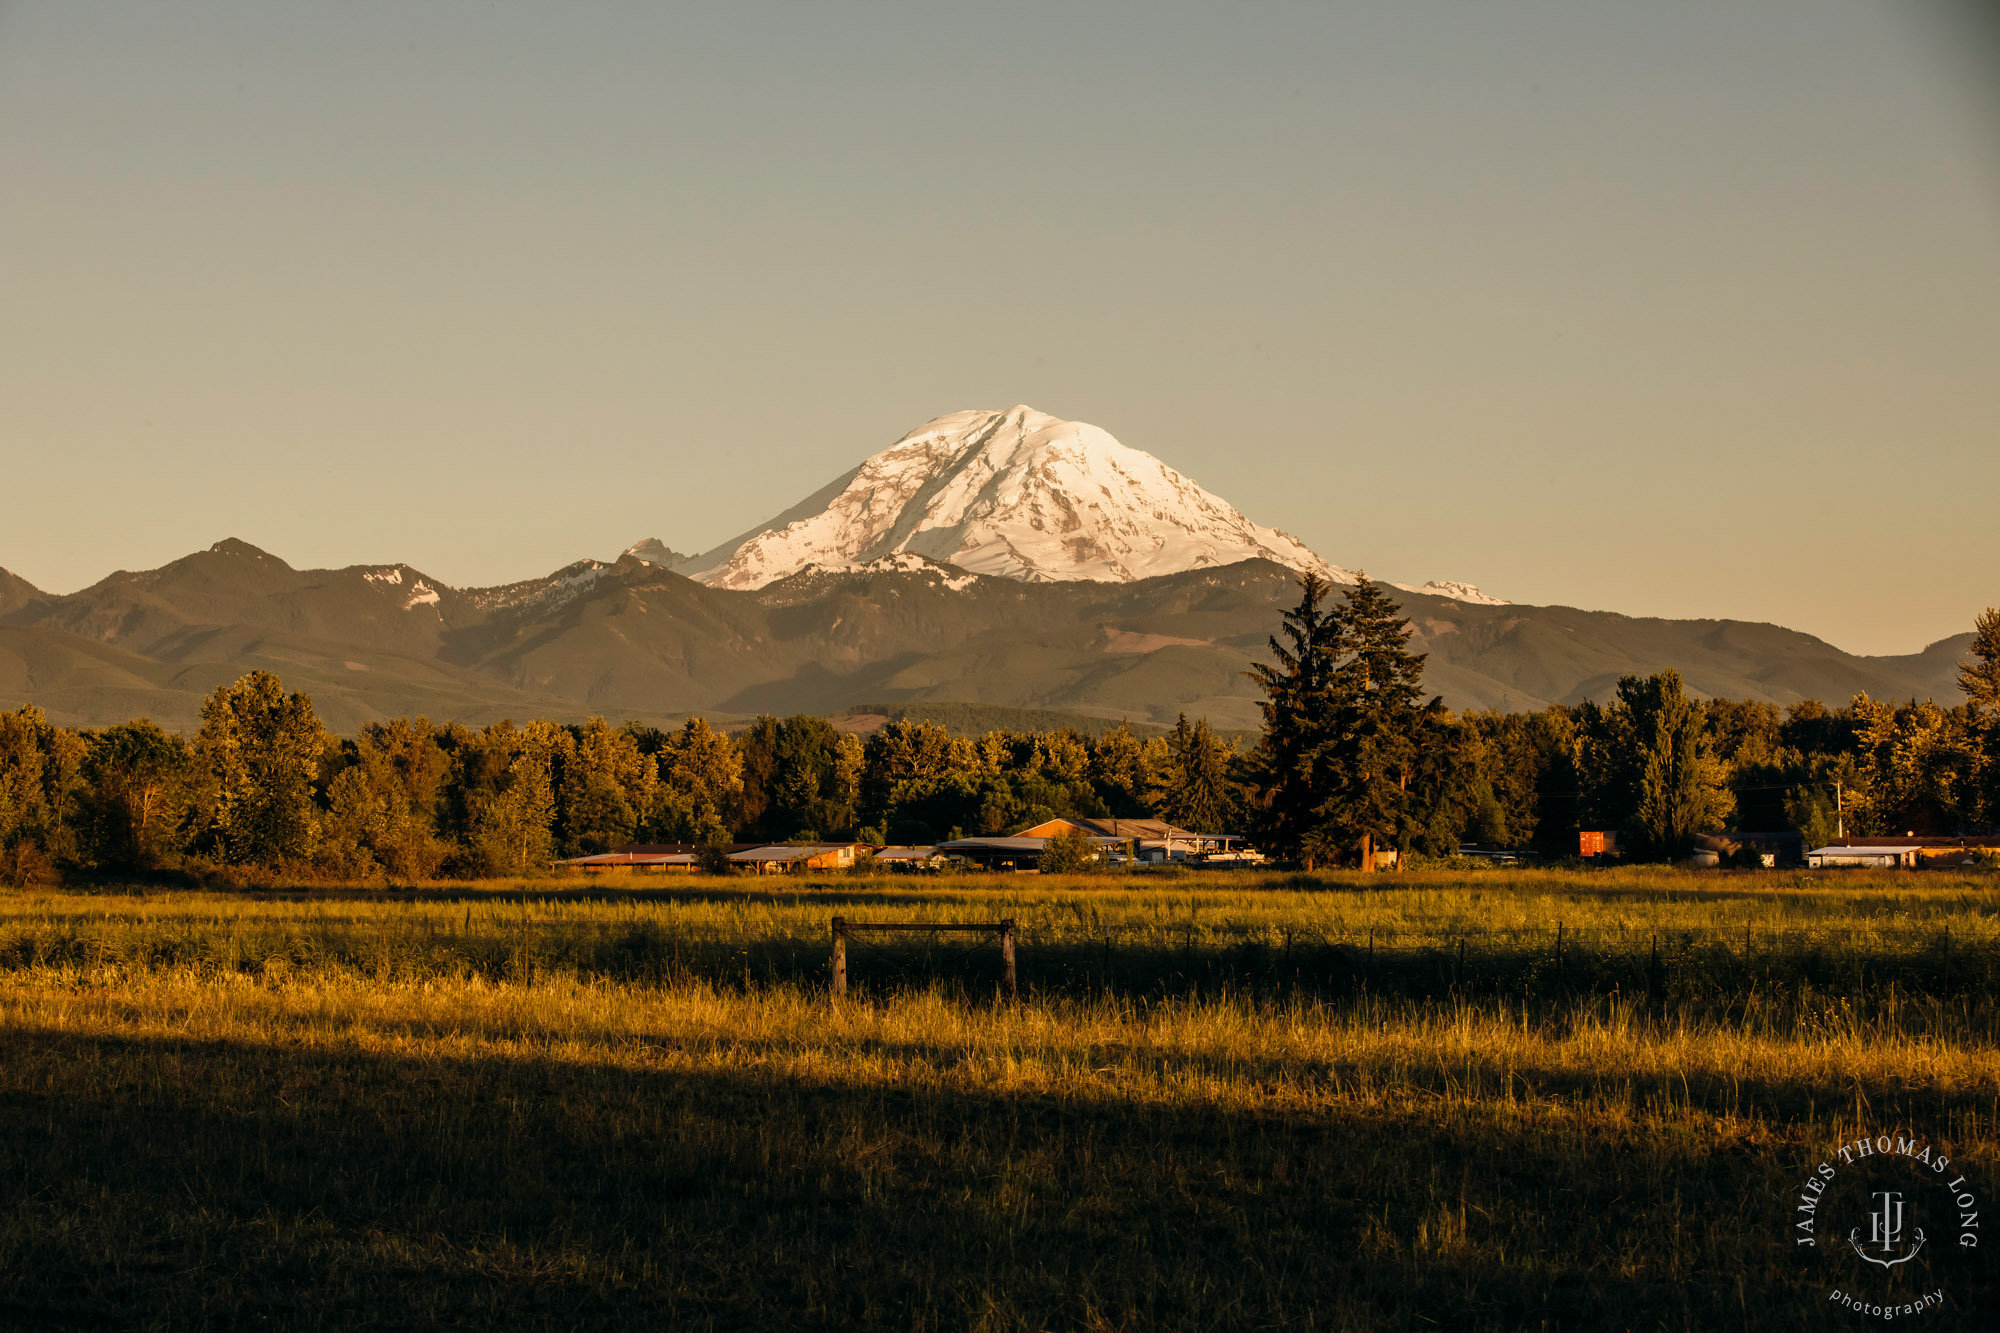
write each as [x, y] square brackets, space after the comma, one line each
[41, 781]
[261, 748]
[139, 779]
[1681, 784]
[1117, 771]
[908, 751]
[514, 824]
[607, 786]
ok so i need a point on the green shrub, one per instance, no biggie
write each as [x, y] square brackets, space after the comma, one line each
[1070, 853]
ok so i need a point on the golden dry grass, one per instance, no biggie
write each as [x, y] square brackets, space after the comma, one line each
[592, 1105]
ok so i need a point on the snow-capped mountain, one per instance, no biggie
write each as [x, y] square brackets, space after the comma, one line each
[1454, 591]
[1018, 494]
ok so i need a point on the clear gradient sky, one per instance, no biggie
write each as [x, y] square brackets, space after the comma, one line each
[1686, 309]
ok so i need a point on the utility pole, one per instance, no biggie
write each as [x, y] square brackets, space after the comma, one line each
[1839, 810]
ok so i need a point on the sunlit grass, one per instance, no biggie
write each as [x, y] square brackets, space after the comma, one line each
[634, 1102]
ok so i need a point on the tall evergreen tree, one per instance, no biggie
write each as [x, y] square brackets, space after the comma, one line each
[1980, 678]
[1289, 773]
[1373, 743]
[1192, 788]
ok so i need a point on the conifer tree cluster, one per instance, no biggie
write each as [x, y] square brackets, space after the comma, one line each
[1343, 729]
[1352, 761]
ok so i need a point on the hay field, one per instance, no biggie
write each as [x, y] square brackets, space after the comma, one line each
[1492, 1100]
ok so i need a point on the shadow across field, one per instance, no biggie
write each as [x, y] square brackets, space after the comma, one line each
[1701, 972]
[782, 893]
[218, 1185]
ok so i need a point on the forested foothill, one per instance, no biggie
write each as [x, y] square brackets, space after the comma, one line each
[1352, 759]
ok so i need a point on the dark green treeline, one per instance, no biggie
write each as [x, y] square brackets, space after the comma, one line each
[1352, 759]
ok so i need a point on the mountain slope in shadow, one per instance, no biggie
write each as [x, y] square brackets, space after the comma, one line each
[634, 640]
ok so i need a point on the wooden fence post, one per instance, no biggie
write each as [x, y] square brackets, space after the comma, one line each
[839, 958]
[1007, 930]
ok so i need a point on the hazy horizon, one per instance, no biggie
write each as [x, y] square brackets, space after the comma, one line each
[1687, 312]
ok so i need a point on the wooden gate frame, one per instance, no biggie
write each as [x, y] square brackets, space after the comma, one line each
[842, 928]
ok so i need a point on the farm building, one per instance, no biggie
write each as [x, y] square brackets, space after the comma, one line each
[640, 856]
[1769, 850]
[908, 859]
[1158, 841]
[791, 859]
[752, 857]
[1885, 856]
[1932, 853]
[1022, 852]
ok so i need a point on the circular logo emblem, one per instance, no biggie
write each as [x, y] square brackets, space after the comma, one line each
[1885, 1222]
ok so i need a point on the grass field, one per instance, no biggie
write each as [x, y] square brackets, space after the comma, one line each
[1490, 1100]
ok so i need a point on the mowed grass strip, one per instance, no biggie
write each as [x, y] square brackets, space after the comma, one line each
[321, 1137]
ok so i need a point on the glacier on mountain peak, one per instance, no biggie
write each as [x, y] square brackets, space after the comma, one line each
[898, 562]
[1016, 494]
[1453, 590]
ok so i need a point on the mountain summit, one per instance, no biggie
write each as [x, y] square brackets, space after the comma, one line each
[15, 592]
[1019, 494]
[654, 552]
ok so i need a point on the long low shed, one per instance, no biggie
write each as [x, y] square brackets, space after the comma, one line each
[1863, 858]
[790, 858]
[754, 857]
[1016, 853]
[633, 861]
